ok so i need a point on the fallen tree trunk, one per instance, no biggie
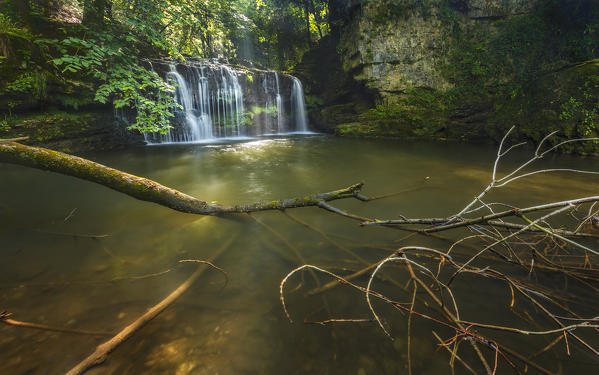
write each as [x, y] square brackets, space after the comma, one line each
[145, 189]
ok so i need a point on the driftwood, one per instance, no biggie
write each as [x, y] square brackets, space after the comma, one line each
[148, 190]
[102, 351]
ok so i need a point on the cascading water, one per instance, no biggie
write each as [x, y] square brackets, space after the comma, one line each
[280, 114]
[221, 102]
[299, 104]
[274, 108]
[184, 97]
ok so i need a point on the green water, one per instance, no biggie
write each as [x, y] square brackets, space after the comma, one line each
[51, 277]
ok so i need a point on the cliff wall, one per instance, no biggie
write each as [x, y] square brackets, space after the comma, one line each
[458, 69]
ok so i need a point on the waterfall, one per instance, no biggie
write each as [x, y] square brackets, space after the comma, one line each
[184, 97]
[219, 101]
[280, 109]
[273, 122]
[299, 106]
[268, 86]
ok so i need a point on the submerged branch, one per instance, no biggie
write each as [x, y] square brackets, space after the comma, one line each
[5, 318]
[102, 351]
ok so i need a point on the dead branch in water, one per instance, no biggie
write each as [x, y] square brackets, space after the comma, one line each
[534, 246]
[5, 318]
[102, 351]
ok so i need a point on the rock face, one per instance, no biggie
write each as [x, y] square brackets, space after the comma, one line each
[494, 8]
[394, 56]
[332, 95]
[394, 48]
[90, 129]
[458, 69]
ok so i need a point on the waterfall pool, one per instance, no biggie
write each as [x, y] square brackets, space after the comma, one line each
[52, 272]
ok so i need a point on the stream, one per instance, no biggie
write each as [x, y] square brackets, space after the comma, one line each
[53, 272]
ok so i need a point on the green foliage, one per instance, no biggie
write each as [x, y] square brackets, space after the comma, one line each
[75, 102]
[522, 48]
[4, 126]
[313, 101]
[507, 70]
[112, 64]
[583, 110]
[276, 33]
[49, 125]
[417, 113]
[136, 87]
[23, 83]
[101, 58]
[254, 111]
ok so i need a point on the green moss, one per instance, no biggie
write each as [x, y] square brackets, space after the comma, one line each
[418, 113]
[314, 101]
[48, 126]
[402, 9]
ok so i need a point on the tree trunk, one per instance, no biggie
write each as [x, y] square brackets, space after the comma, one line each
[317, 18]
[307, 12]
[145, 189]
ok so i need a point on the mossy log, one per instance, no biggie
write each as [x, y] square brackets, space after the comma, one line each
[145, 189]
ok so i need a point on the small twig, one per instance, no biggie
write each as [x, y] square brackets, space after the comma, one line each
[328, 207]
[504, 239]
[548, 347]
[70, 215]
[454, 355]
[365, 198]
[5, 318]
[552, 233]
[410, 329]
[525, 332]
[330, 321]
[94, 236]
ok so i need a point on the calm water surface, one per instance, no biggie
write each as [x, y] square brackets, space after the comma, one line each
[50, 277]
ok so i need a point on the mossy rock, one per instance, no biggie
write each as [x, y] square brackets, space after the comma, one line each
[50, 126]
[71, 132]
[340, 113]
[418, 113]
